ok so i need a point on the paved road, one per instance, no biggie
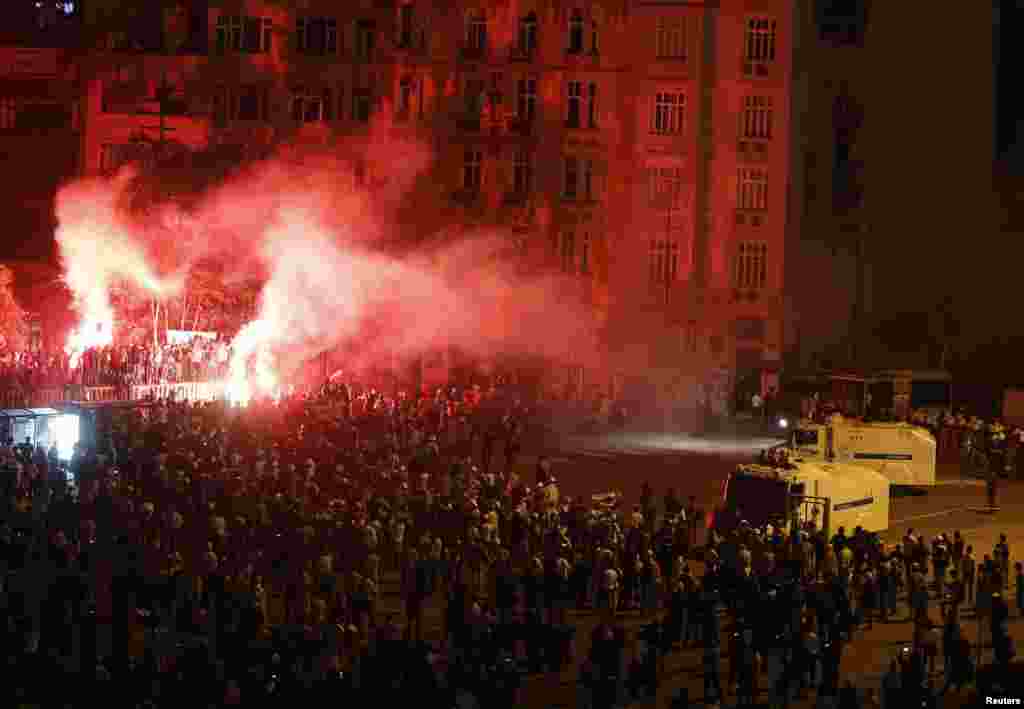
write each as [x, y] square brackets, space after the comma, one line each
[695, 466]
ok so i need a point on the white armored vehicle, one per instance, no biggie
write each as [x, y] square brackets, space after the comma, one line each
[832, 494]
[901, 452]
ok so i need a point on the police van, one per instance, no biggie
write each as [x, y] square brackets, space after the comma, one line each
[901, 452]
[831, 494]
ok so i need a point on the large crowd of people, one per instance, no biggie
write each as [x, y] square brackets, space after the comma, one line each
[199, 360]
[221, 556]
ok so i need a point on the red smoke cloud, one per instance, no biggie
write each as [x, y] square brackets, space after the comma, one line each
[299, 221]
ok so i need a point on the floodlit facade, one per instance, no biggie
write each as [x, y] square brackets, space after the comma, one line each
[640, 148]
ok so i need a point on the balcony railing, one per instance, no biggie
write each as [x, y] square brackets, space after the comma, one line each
[470, 123]
[754, 69]
[518, 125]
[467, 196]
[522, 54]
[472, 53]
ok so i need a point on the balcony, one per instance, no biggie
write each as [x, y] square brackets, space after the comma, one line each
[754, 69]
[472, 53]
[516, 198]
[520, 126]
[751, 217]
[469, 123]
[752, 149]
[522, 54]
[467, 197]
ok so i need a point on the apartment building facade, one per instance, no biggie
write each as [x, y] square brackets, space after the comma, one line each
[640, 148]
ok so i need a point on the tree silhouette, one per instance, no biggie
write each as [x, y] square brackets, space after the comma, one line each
[13, 322]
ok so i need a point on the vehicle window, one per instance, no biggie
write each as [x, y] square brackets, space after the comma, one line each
[757, 499]
[805, 437]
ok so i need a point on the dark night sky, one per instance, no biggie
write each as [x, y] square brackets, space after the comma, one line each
[1008, 102]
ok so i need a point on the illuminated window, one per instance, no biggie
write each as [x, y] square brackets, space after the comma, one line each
[753, 189]
[522, 172]
[472, 170]
[759, 40]
[751, 266]
[669, 116]
[476, 32]
[757, 118]
[526, 99]
[574, 43]
[670, 38]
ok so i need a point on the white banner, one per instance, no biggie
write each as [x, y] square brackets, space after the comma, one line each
[182, 337]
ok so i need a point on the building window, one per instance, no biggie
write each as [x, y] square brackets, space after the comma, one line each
[669, 113]
[476, 32]
[238, 33]
[664, 261]
[690, 337]
[571, 182]
[309, 107]
[757, 118]
[366, 40]
[567, 252]
[753, 189]
[594, 36]
[8, 113]
[526, 42]
[759, 44]
[665, 188]
[526, 99]
[585, 246]
[522, 172]
[316, 36]
[252, 103]
[472, 171]
[362, 105]
[114, 156]
[575, 104]
[751, 269]
[592, 106]
[406, 87]
[405, 26]
[577, 29]
[588, 180]
[670, 38]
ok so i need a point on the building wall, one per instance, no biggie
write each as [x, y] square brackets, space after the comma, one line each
[661, 323]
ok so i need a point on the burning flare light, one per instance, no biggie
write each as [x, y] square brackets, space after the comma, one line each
[95, 330]
[249, 347]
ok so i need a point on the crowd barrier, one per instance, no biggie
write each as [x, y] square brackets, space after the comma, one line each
[185, 391]
[51, 396]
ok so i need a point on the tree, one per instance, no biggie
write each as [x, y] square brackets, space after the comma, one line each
[14, 330]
